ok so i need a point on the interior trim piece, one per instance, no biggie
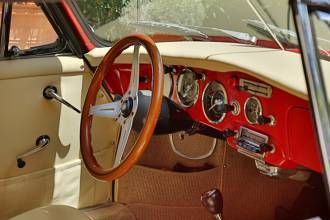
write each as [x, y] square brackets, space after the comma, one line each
[11, 69]
[200, 157]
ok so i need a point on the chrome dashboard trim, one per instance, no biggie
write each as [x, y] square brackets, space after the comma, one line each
[255, 88]
[201, 157]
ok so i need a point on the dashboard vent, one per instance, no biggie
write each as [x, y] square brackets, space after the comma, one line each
[255, 88]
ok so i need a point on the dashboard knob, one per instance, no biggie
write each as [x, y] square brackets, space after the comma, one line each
[228, 133]
[266, 148]
[169, 69]
[262, 120]
[226, 108]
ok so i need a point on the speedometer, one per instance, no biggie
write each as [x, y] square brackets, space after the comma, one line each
[187, 88]
[214, 99]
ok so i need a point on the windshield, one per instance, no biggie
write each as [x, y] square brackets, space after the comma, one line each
[265, 23]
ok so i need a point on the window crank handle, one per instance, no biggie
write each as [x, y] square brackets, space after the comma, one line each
[50, 92]
[41, 142]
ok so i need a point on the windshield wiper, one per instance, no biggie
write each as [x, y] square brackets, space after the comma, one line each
[186, 31]
[281, 33]
[238, 36]
[198, 31]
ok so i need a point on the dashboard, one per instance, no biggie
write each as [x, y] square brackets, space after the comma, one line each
[259, 120]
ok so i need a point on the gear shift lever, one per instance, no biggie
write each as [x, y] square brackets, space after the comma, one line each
[213, 202]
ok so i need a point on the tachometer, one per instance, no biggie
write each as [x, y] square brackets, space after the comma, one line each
[187, 88]
[214, 99]
[252, 110]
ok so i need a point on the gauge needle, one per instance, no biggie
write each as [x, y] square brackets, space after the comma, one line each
[186, 91]
[216, 102]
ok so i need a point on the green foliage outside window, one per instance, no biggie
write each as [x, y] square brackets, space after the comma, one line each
[99, 12]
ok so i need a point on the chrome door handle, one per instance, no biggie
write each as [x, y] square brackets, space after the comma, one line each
[41, 143]
[50, 92]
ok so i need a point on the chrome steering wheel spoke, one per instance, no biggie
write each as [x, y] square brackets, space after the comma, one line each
[134, 79]
[126, 126]
[109, 110]
[129, 98]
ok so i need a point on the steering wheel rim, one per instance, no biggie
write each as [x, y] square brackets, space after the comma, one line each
[143, 140]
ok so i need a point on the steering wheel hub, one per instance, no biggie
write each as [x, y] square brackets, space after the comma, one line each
[126, 107]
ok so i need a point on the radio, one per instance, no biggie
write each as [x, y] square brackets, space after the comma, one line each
[252, 143]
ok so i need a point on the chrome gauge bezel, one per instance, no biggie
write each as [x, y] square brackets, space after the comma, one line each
[177, 89]
[245, 104]
[237, 107]
[222, 88]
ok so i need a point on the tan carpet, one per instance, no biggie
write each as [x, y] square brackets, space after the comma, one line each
[156, 212]
[161, 194]
[151, 193]
[151, 186]
[250, 195]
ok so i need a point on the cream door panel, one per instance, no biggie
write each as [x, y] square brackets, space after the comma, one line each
[55, 175]
[40, 67]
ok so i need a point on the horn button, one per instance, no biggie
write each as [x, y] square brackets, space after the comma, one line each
[126, 107]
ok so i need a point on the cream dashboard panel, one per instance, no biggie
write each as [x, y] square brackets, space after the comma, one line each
[279, 68]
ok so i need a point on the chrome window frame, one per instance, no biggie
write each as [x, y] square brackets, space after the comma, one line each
[60, 48]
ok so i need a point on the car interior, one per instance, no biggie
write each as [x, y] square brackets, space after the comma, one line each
[142, 115]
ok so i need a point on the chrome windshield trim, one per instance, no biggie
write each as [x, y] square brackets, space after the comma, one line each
[315, 84]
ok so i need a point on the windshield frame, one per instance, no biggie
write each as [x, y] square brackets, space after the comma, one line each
[314, 76]
[96, 40]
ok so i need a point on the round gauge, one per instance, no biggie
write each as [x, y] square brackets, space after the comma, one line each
[252, 110]
[187, 88]
[214, 98]
[168, 85]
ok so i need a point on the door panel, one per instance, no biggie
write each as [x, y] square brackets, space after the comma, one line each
[55, 175]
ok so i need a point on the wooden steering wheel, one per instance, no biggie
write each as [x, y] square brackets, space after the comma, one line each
[123, 110]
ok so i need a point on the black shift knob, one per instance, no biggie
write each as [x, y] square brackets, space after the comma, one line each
[212, 200]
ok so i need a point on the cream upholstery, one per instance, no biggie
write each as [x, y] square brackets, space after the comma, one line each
[54, 212]
[110, 211]
[57, 174]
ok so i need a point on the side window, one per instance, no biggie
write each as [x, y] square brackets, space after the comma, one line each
[29, 27]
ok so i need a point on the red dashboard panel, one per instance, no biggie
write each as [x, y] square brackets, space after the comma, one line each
[293, 136]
